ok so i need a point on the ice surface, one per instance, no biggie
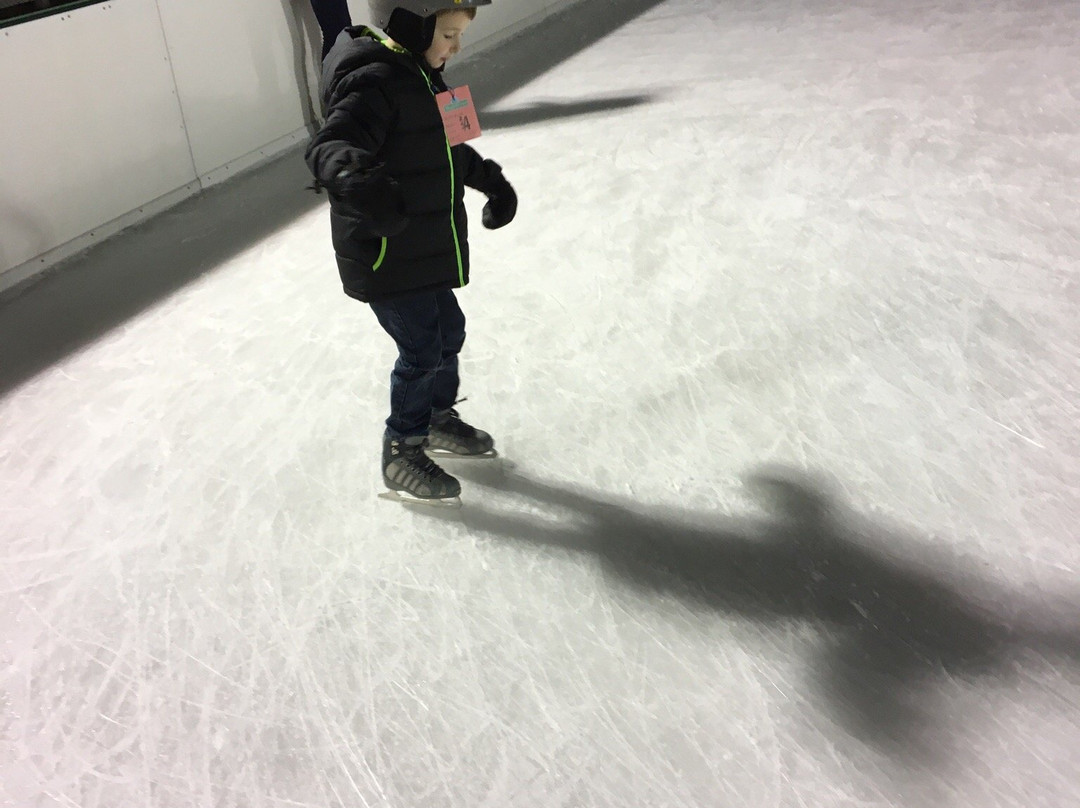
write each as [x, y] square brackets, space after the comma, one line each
[782, 354]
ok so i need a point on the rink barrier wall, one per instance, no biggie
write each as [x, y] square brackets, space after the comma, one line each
[117, 111]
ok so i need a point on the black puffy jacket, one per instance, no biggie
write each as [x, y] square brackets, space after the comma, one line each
[383, 156]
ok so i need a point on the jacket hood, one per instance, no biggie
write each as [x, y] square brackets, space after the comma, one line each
[355, 47]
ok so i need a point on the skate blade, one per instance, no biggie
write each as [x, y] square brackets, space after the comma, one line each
[406, 498]
[446, 454]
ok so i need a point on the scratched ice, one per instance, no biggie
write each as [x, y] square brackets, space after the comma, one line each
[782, 356]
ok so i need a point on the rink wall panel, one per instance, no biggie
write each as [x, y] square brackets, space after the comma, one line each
[116, 111]
[92, 128]
[238, 70]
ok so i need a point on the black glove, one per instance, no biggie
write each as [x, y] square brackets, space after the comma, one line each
[373, 198]
[386, 208]
[501, 201]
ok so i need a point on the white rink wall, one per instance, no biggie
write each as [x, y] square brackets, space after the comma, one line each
[116, 111]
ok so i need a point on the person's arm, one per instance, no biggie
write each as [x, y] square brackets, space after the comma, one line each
[343, 157]
[333, 17]
[357, 123]
[486, 176]
[478, 173]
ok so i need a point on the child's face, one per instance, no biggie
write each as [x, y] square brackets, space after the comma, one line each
[449, 28]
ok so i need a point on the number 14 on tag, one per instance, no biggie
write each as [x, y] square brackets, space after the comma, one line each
[458, 115]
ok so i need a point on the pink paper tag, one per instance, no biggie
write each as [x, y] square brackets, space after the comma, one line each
[458, 114]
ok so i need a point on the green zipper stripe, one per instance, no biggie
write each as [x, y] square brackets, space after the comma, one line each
[453, 195]
[382, 255]
[453, 224]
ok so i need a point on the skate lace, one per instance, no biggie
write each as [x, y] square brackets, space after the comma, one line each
[423, 465]
[453, 424]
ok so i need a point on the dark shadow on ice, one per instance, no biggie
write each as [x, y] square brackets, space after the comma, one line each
[555, 110]
[892, 625]
[101, 288]
[496, 72]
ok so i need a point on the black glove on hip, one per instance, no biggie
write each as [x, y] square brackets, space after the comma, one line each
[373, 198]
[386, 208]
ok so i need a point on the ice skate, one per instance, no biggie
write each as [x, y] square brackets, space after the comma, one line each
[412, 476]
[450, 437]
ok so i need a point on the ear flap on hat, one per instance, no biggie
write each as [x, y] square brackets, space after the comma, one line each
[411, 31]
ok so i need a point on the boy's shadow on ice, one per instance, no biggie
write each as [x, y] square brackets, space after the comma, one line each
[889, 624]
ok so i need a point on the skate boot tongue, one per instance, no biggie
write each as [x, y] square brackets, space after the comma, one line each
[449, 436]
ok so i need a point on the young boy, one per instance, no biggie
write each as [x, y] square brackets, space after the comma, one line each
[398, 221]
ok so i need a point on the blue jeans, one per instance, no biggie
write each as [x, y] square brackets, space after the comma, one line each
[429, 330]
